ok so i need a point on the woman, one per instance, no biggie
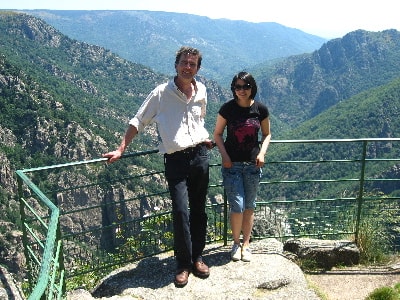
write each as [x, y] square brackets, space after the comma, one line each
[242, 157]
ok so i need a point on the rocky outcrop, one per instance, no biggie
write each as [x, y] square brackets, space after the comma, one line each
[324, 253]
[10, 249]
[9, 288]
[270, 275]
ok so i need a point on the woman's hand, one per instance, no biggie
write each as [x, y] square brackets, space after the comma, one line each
[260, 160]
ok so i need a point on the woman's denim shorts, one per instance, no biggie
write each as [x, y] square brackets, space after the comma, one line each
[241, 183]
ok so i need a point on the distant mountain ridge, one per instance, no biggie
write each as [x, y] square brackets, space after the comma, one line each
[148, 37]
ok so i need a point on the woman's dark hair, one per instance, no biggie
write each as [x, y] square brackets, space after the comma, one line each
[248, 78]
[191, 51]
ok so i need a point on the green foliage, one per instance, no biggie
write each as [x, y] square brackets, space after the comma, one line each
[377, 231]
[384, 293]
[309, 265]
[158, 229]
[369, 242]
[373, 113]
[87, 279]
[154, 237]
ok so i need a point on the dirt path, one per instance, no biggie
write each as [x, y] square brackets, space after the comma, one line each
[354, 283]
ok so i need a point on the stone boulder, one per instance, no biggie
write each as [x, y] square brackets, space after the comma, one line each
[325, 253]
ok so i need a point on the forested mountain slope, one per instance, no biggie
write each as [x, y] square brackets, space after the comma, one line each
[374, 113]
[371, 114]
[301, 87]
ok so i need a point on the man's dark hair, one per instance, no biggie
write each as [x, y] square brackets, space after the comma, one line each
[189, 50]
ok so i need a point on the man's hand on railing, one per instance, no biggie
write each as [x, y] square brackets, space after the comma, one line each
[112, 156]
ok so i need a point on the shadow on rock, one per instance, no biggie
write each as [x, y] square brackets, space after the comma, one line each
[152, 272]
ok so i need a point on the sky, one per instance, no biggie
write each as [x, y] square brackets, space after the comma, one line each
[327, 19]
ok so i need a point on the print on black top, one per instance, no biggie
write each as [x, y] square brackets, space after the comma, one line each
[243, 126]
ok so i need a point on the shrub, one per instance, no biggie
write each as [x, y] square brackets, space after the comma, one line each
[384, 293]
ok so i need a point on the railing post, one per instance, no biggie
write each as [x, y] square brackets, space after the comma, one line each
[360, 197]
[59, 239]
[23, 227]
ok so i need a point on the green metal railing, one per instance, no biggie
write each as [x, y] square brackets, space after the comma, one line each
[86, 217]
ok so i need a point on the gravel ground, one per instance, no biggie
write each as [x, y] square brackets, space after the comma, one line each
[354, 283]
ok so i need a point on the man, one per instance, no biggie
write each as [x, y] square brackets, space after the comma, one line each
[179, 107]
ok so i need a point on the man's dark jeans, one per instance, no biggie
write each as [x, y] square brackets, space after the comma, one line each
[187, 174]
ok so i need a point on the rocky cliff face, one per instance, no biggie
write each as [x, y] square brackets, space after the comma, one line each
[7, 178]
[10, 236]
[35, 122]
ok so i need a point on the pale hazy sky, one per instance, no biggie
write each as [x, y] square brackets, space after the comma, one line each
[328, 19]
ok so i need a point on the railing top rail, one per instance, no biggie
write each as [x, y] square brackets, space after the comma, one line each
[85, 162]
[36, 190]
[134, 154]
[336, 140]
